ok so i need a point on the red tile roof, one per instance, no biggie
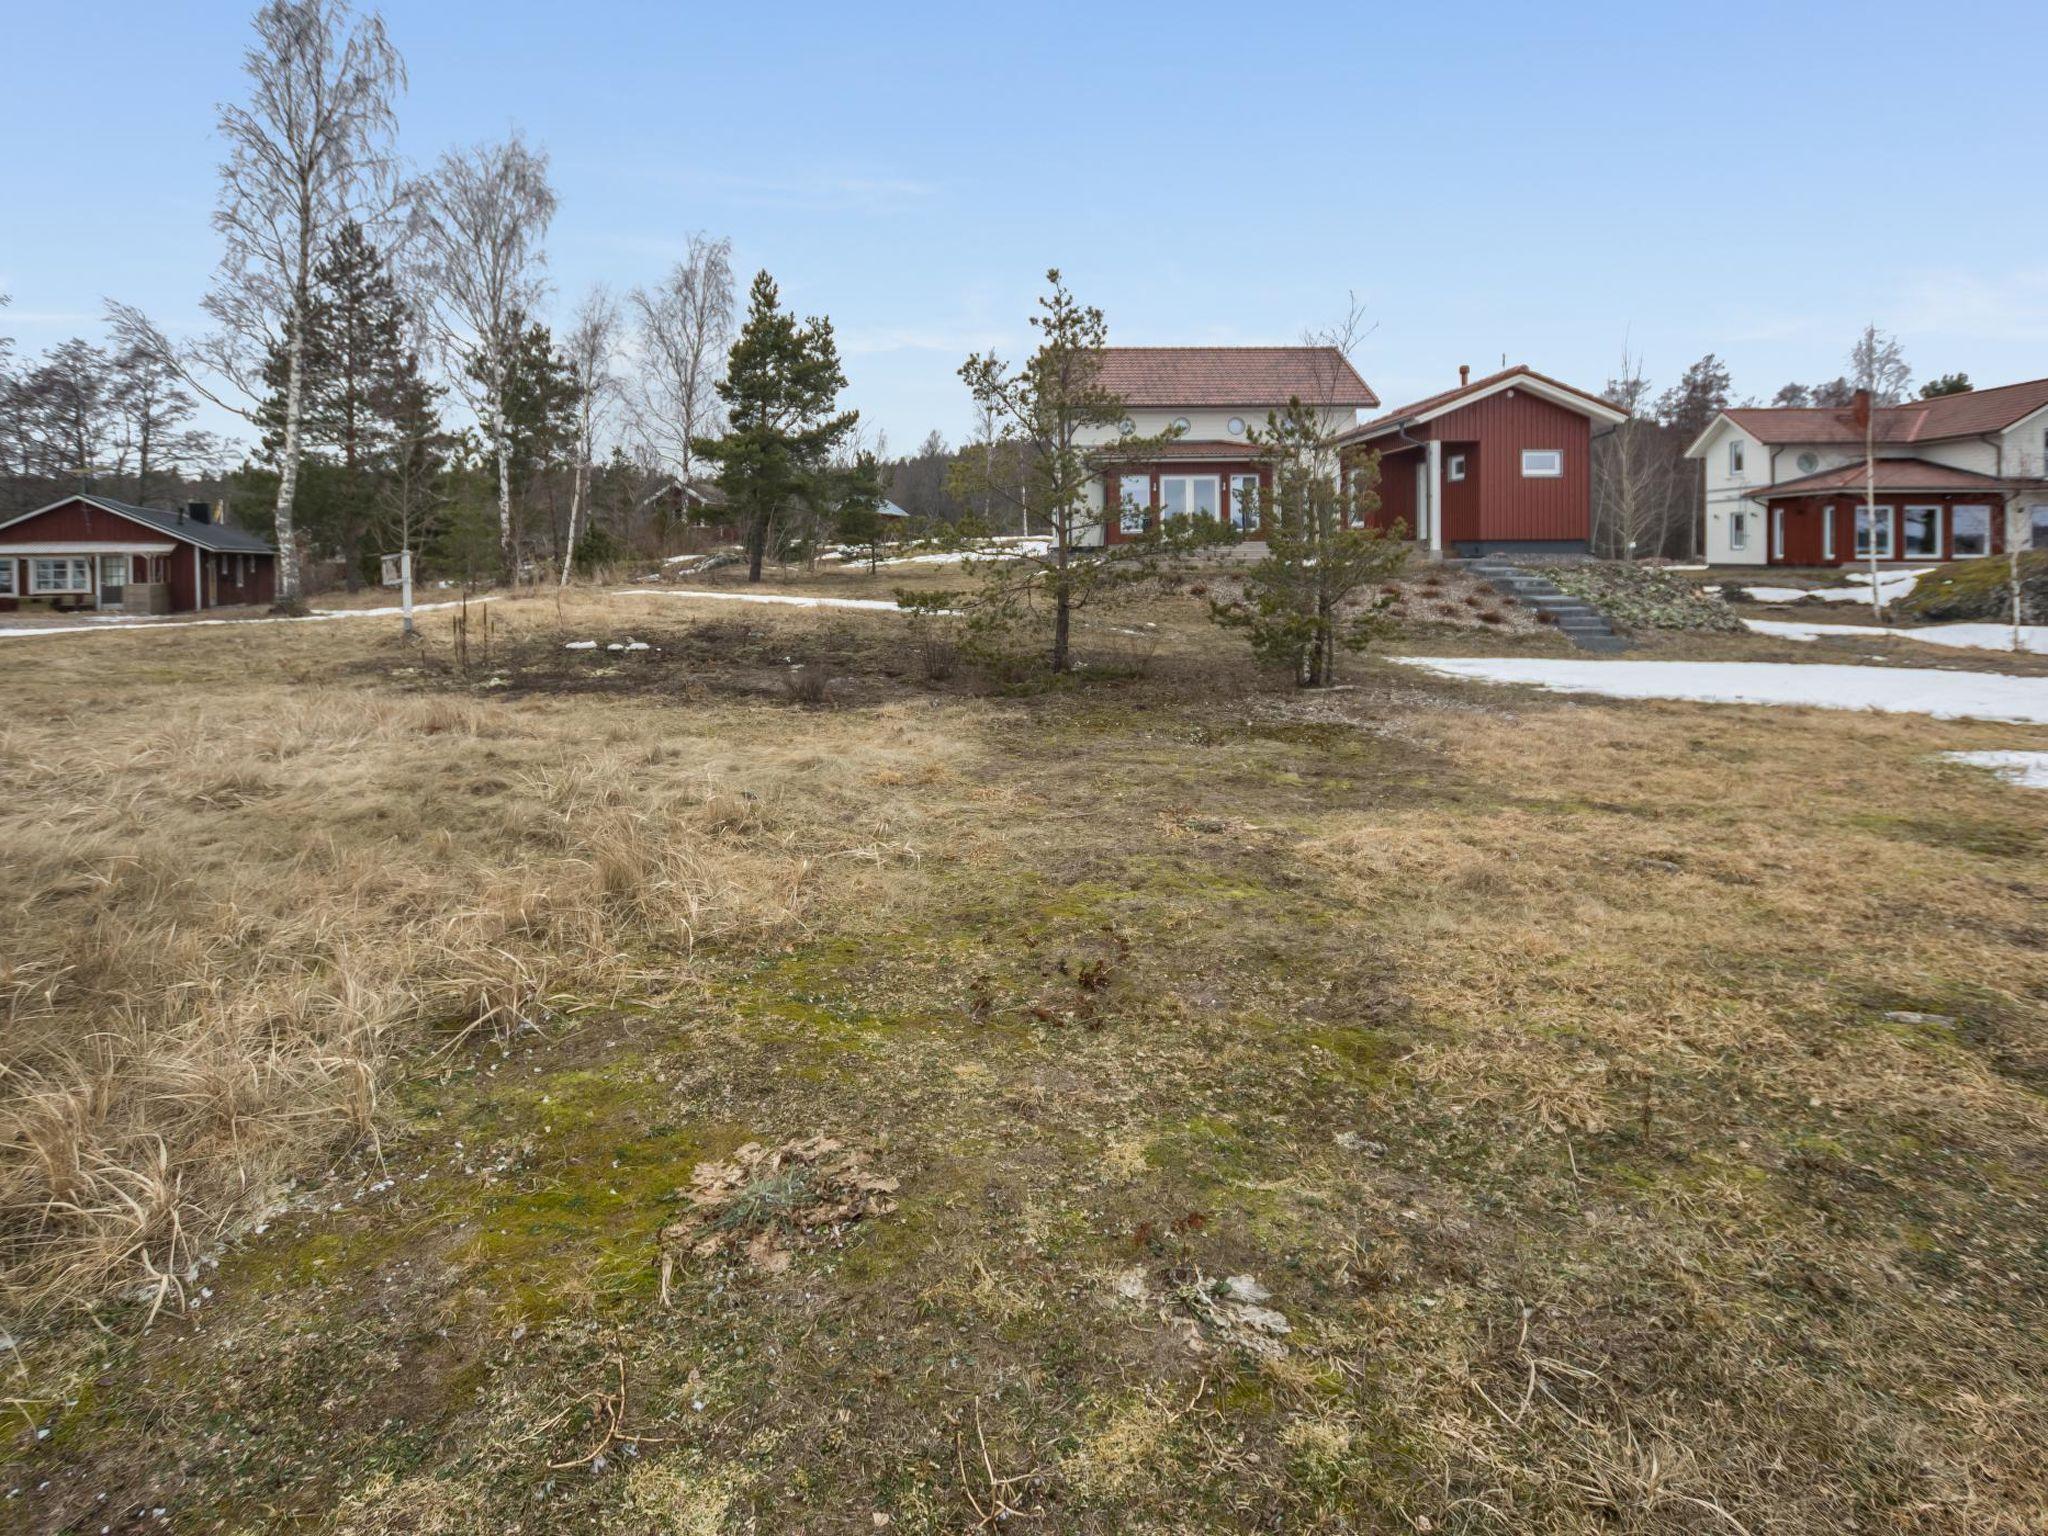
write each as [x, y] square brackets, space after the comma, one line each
[1892, 475]
[1248, 376]
[1438, 402]
[1917, 421]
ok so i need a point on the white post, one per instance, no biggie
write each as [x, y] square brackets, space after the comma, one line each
[1436, 498]
[405, 585]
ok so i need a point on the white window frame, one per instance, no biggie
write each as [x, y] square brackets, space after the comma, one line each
[1955, 517]
[1555, 455]
[1127, 507]
[77, 571]
[1934, 522]
[127, 568]
[2037, 518]
[1734, 455]
[1240, 514]
[1827, 532]
[1777, 533]
[1455, 470]
[7, 577]
[1885, 521]
[1189, 481]
[1738, 529]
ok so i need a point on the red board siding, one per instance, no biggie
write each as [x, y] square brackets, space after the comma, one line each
[1499, 501]
[1806, 541]
[1397, 489]
[83, 524]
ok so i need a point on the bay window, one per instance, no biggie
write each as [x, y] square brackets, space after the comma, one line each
[1873, 533]
[61, 575]
[1969, 531]
[1923, 533]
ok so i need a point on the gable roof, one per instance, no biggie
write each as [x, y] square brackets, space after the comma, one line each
[1891, 475]
[1969, 414]
[1521, 376]
[1197, 376]
[214, 536]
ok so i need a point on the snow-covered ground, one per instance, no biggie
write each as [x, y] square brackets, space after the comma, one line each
[1968, 637]
[1887, 690]
[1891, 586]
[112, 622]
[2029, 769]
[873, 604]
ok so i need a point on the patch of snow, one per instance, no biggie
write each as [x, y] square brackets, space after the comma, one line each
[580, 645]
[1891, 586]
[871, 604]
[2027, 769]
[1887, 690]
[108, 623]
[1968, 637]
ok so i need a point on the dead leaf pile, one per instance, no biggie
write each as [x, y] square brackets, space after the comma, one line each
[764, 1204]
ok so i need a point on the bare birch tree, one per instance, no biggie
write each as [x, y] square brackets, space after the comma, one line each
[312, 150]
[1632, 484]
[685, 329]
[590, 348]
[480, 222]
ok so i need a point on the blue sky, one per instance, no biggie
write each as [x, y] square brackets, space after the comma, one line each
[1756, 181]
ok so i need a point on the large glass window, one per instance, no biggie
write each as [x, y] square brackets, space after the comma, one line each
[60, 575]
[1244, 502]
[1188, 496]
[1873, 533]
[114, 570]
[1135, 492]
[1923, 533]
[7, 577]
[1969, 530]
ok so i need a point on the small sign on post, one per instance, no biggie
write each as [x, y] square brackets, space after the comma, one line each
[405, 582]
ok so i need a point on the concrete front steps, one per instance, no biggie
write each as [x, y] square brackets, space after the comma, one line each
[1581, 623]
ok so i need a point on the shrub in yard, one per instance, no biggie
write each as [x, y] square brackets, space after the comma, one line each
[1979, 591]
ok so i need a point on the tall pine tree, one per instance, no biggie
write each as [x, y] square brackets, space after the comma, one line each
[781, 390]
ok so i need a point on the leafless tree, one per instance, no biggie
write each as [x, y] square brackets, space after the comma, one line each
[591, 348]
[481, 220]
[685, 329]
[1877, 363]
[1633, 471]
[311, 150]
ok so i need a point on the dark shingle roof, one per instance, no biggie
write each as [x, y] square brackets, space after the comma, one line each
[214, 536]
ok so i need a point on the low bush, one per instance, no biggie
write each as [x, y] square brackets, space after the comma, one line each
[1979, 591]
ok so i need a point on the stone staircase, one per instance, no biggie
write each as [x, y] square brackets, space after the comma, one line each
[1581, 623]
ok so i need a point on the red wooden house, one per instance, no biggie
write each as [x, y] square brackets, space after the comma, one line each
[91, 552]
[1501, 464]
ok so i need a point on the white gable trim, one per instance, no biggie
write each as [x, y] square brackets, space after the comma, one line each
[1569, 400]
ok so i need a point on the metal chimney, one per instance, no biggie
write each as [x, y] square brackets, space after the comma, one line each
[1464, 374]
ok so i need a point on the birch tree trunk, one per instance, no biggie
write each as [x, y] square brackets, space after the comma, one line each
[575, 507]
[288, 462]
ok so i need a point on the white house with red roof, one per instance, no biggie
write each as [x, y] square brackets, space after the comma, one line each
[1955, 477]
[1213, 397]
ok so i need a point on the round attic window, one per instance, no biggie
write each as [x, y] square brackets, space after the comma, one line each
[1180, 423]
[1236, 425]
[1808, 463]
[1127, 426]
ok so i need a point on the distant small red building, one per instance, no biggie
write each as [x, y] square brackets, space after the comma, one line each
[90, 552]
[1501, 464]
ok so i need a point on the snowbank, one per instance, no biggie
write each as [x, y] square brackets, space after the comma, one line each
[106, 624]
[2028, 769]
[1968, 637]
[1887, 690]
[1891, 586]
[872, 604]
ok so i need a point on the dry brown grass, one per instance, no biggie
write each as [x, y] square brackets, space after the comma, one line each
[233, 900]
